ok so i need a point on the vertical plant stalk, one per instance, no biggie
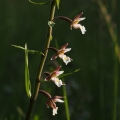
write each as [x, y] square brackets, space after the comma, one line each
[101, 79]
[66, 103]
[116, 53]
[115, 87]
[41, 65]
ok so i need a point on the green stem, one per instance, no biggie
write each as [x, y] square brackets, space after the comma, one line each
[115, 87]
[66, 103]
[41, 65]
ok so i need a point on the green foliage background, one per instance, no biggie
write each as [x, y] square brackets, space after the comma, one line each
[90, 92]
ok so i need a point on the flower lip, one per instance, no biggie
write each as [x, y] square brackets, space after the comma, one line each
[58, 82]
[55, 111]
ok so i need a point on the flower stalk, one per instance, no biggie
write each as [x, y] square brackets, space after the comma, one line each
[41, 65]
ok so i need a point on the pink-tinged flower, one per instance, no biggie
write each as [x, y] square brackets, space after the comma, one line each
[75, 24]
[54, 77]
[61, 54]
[51, 101]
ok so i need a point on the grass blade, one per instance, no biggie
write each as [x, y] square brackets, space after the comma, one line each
[63, 75]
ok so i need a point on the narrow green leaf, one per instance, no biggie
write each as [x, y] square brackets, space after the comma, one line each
[41, 3]
[19, 47]
[35, 52]
[58, 2]
[63, 75]
[27, 77]
[30, 51]
[77, 70]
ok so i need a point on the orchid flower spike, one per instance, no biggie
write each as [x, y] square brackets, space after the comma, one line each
[61, 54]
[75, 24]
[54, 77]
[51, 101]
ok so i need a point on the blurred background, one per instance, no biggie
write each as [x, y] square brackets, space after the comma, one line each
[93, 93]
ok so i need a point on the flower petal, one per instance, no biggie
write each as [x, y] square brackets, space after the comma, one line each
[54, 75]
[67, 49]
[82, 18]
[79, 19]
[59, 73]
[59, 100]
